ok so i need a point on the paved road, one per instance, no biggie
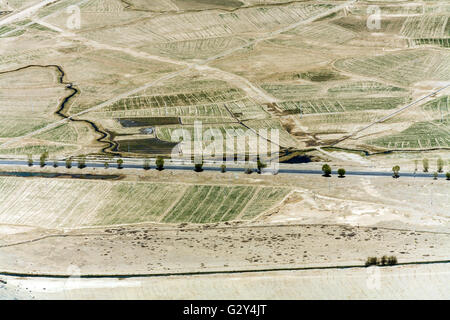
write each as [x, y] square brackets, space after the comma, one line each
[113, 165]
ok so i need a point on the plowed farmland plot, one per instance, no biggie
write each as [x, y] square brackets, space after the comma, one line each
[324, 32]
[421, 135]
[26, 104]
[425, 27]
[72, 203]
[403, 67]
[342, 105]
[206, 25]
[202, 204]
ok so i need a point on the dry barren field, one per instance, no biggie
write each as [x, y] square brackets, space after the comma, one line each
[315, 70]
[363, 85]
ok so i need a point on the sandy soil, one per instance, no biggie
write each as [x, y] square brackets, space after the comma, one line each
[401, 282]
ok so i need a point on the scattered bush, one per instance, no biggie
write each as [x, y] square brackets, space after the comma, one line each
[326, 170]
[425, 165]
[448, 175]
[30, 160]
[341, 172]
[68, 163]
[435, 175]
[159, 163]
[146, 164]
[223, 168]
[392, 260]
[260, 165]
[198, 167]
[371, 261]
[396, 170]
[440, 165]
[383, 261]
[119, 164]
[42, 159]
[82, 162]
[55, 164]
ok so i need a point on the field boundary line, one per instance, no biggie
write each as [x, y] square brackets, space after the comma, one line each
[255, 194]
[189, 67]
[200, 227]
[393, 114]
[172, 206]
[199, 273]
[276, 205]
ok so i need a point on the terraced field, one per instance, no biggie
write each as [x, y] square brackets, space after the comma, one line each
[421, 135]
[342, 105]
[207, 24]
[425, 27]
[25, 104]
[72, 203]
[290, 76]
[403, 67]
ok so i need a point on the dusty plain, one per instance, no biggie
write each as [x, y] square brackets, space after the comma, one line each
[119, 83]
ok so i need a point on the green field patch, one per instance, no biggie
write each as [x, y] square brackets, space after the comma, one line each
[37, 150]
[342, 105]
[129, 202]
[440, 42]
[180, 99]
[365, 87]
[403, 67]
[440, 107]
[207, 204]
[320, 75]
[264, 200]
[63, 133]
[421, 135]
[12, 127]
[291, 91]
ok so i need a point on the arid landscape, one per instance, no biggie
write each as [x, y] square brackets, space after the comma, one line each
[95, 95]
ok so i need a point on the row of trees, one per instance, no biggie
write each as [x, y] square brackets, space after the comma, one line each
[326, 169]
[426, 165]
[383, 261]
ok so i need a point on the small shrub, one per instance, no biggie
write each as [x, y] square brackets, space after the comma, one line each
[30, 160]
[198, 167]
[119, 164]
[440, 165]
[55, 164]
[326, 170]
[260, 165]
[146, 164]
[448, 175]
[392, 260]
[248, 170]
[371, 261]
[159, 163]
[106, 165]
[82, 162]
[68, 163]
[396, 170]
[435, 175]
[383, 261]
[223, 168]
[42, 159]
[425, 165]
[341, 172]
